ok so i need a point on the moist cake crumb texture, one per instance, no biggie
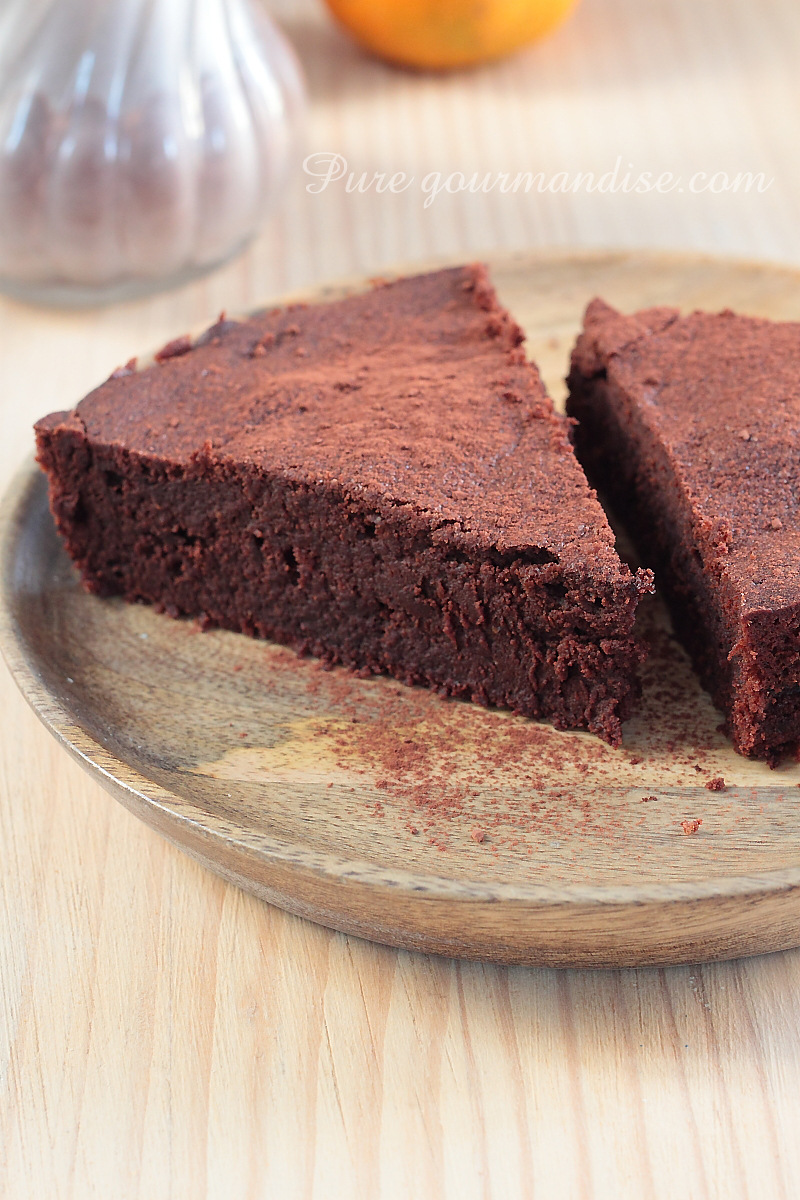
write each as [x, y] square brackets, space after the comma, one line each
[380, 481]
[691, 425]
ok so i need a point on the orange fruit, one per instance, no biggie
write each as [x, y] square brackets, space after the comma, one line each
[447, 33]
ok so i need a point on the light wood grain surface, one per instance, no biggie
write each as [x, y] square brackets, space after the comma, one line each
[163, 1034]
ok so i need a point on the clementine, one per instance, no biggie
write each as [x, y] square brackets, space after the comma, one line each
[447, 33]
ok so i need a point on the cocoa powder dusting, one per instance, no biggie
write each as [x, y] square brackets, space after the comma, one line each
[457, 776]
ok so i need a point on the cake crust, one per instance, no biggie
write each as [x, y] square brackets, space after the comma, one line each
[691, 425]
[381, 481]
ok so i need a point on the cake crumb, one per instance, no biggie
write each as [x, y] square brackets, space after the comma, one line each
[692, 825]
[121, 372]
[174, 349]
[717, 784]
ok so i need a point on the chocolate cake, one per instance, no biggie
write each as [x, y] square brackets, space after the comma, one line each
[380, 481]
[691, 426]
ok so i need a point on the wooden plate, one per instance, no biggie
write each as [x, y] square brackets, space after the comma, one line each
[394, 814]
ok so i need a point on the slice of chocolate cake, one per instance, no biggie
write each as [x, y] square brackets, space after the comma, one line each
[691, 425]
[380, 481]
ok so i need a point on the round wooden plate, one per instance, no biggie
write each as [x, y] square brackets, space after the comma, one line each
[400, 816]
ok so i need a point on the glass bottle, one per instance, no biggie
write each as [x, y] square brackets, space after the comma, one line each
[142, 142]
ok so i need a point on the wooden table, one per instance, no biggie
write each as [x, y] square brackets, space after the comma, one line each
[163, 1034]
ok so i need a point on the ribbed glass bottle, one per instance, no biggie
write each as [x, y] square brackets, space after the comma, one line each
[142, 142]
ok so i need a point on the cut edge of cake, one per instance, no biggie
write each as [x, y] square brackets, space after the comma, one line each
[315, 560]
[744, 643]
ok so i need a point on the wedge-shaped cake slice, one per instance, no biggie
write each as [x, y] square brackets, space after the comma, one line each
[692, 427]
[380, 481]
